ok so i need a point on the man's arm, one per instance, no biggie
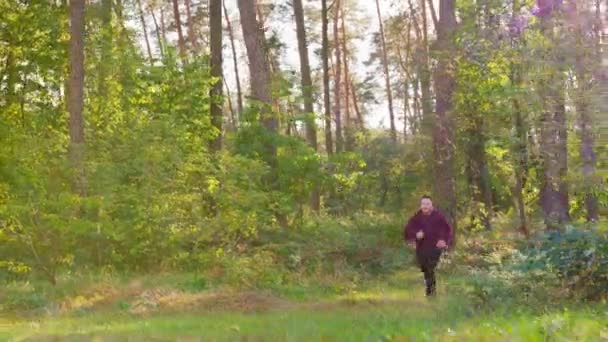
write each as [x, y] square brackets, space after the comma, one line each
[446, 232]
[409, 232]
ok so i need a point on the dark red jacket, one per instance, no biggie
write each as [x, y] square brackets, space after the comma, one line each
[434, 226]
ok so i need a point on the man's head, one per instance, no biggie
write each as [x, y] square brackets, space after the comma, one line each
[426, 204]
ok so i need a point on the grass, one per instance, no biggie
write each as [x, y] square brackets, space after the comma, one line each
[390, 309]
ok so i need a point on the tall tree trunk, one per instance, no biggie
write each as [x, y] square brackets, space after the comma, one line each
[477, 170]
[416, 120]
[178, 25]
[161, 43]
[554, 194]
[191, 34]
[404, 64]
[124, 44]
[329, 146]
[76, 94]
[443, 130]
[12, 77]
[424, 72]
[239, 93]
[520, 146]
[215, 28]
[585, 93]
[348, 131]
[230, 106]
[353, 90]
[106, 49]
[387, 78]
[337, 79]
[163, 28]
[311, 128]
[433, 13]
[145, 29]
[260, 77]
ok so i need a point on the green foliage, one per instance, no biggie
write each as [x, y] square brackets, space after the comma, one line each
[578, 257]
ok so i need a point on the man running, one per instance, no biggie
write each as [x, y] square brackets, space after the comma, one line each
[431, 233]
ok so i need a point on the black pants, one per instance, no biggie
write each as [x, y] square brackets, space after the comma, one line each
[428, 260]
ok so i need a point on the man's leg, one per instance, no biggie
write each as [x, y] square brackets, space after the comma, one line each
[431, 282]
[422, 259]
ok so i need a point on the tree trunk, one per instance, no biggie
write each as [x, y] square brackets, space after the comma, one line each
[433, 14]
[106, 49]
[230, 106]
[585, 93]
[353, 90]
[12, 78]
[337, 80]
[311, 129]
[158, 35]
[76, 94]
[260, 77]
[520, 146]
[387, 79]
[554, 193]
[239, 93]
[477, 170]
[520, 152]
[416, 120]
[348, 131]
[329, 146]
[191, 34]
[443, 129]
[426, 126]
[145, 29]
[215, 28]
[163, 28]
[407, 79]
[124, 44]
[180, 36]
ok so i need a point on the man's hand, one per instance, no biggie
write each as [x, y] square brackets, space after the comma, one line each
[412, 244]
[420, 235]
[441, 244]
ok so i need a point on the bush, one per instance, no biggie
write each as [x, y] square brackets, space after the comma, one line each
[577, 257]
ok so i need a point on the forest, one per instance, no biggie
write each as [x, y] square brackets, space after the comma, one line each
[185, 170]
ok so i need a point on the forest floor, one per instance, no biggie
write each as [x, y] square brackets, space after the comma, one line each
[391, 309]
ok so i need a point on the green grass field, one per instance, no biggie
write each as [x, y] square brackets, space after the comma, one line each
[384, 310]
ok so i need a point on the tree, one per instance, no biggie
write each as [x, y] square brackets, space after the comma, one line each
[443, 129]
[422, 62]
[259, 70]
[586, 53]
[348, 131]
[145, 29]
[239, 93]
[337, 79]
[520, 145]
[325, 57]
[554, 152]
[387, 79]
[215, 23]
[178, 25]
[311, 129]
[191, 34]
[106, 48]
[306, 79]
[158, 31]
[76, 94]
